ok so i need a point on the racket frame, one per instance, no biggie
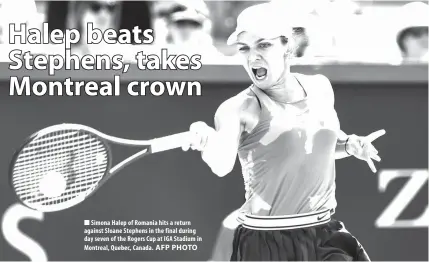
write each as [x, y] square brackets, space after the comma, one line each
[78, 199]
[159, 144]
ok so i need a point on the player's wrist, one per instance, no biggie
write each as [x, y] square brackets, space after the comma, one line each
[351, 145]
[346, 145]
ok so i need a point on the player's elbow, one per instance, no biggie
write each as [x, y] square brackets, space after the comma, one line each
[221, 166]
[221, 170]
[220, 157]
[220, 160]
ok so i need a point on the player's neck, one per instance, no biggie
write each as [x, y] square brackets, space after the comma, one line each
[287, 90]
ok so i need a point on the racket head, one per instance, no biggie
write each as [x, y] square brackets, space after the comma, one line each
[65, 153]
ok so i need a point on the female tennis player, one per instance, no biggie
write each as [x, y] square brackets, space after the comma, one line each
[286, 133]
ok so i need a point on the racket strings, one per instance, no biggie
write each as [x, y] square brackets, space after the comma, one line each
[79, 156]
[33, 165]
[72, 187]
[60, 162]
[30, 166]
[42, 149]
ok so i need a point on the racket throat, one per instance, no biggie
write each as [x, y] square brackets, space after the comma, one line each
[128, 161]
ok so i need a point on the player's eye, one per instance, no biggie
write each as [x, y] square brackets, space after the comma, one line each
[243, 49]
[264, 45]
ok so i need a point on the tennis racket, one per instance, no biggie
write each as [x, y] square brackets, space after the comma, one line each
[62, 165]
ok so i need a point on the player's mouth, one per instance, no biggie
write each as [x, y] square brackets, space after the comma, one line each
[260, 73]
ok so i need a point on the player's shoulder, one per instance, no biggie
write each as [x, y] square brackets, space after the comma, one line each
[238, 103]
[316, 83]
[314, 79]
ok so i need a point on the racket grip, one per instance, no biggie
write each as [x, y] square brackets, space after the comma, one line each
[169, 142]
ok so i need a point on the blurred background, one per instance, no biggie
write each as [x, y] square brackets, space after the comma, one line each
[391, 32]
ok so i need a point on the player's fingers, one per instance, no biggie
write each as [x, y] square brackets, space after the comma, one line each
[192, 140]
[373, 136]
[371, 165]
[375, 157]
[204, 141]
[199, 146]
[196, 143]
[372, 148]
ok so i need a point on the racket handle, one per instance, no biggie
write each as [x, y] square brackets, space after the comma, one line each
[169, 142]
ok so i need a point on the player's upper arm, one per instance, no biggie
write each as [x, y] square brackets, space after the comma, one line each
[326, 90]
[327, 94]
[228, 126]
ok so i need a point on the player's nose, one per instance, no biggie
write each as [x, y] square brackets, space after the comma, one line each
[254, 57]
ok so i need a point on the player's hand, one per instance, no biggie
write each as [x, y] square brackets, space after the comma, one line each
[362, 148]
[199, 136]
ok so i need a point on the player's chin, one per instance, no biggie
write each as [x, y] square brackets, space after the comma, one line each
[261, 82]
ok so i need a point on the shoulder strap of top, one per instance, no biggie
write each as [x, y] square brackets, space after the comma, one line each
[264, 100]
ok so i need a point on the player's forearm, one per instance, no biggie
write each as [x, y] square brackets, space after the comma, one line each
[218, 155]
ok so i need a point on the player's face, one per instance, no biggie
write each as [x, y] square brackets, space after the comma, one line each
[263, 59]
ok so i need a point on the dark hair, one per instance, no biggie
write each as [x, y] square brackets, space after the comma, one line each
[411, 31]
[284, 39]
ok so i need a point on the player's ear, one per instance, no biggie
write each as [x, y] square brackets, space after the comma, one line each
[284, 40]
[288, 46]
